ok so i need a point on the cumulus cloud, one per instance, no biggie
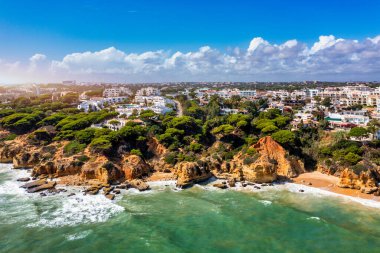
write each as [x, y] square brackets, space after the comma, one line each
[329, 58]
[35, 60]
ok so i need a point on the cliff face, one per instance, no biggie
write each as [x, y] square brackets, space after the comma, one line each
[157, 162]
[269, 164]
[365, 181]
[8, 150]
[189, 173]
[134, 167]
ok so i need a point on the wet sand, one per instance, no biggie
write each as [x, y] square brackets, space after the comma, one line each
[329, 183]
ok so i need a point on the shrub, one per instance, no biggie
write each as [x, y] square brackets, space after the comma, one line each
[352, 158]
[358, 132]
[358, 168]
[73, 148]
[136, 152]
[83, 158]
[223, 129]
[171, 158]
[195, 147]
[269, 129]
[251, 151]
[9, 137]
[284, 137]
[85, 136]
[100, 145]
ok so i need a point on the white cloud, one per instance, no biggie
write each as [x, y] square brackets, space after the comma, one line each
[329, 58]
[324, 42]
[35, 60]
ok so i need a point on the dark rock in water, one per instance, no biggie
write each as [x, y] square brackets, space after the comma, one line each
[231, 182]
[110, 196]
[116, 191]
[139, 185]
[220, 186]
[107, 190]
[23, 179]
[256, 187]
[301, 190]
[53, 190]
[34, 184]
[244, 185]
[224, 182]
[264, 185]
[93, 192]
[62, 190]
[42, 194]
[42, 187]
[270, 184]
[71, 194]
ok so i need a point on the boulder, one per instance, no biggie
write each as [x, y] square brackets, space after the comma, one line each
[23, 179]
[42, 187]
[134, 167]
[34, 184]
[110, 196]
[139, 185]
[189, 173]
[220, 186]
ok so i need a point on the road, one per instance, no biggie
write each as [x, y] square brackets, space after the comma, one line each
[179, 108]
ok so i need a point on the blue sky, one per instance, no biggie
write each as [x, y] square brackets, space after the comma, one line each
[59, 28]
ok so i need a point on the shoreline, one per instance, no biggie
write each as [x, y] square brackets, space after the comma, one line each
[313, 179]
[329, 183]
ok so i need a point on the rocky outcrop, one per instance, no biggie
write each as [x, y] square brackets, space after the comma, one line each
[273, 153]
[134, 167]
[271, 162]
[102, 170]
[159, 151]
[365, 181]
[189, 173]
[138, 184]
[26, 159]
[8, 150]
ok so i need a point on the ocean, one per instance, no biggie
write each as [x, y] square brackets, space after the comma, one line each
[198, 219]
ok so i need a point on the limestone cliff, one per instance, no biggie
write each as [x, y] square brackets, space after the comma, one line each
[134, 167]
[189, 173]
[157, 162]
[270, 163]
[365, 181]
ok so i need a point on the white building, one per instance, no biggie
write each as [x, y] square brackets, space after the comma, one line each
[352, 117]
[116, 92]
[130, 109]
[96, 104]
[149, 91]
[155, 100]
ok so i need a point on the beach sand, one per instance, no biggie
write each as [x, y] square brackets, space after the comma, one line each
[329, 183]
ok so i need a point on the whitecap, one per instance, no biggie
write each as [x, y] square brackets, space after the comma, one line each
[78, 210]
[78, 236]
[266, 202]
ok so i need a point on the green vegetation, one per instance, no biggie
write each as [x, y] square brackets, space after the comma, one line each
[73, 148]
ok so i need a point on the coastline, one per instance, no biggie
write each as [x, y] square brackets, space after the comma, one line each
[329, 183]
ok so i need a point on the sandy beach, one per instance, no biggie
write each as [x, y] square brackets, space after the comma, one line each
[329, 183]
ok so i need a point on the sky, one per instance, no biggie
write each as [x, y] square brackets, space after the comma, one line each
[160, 41]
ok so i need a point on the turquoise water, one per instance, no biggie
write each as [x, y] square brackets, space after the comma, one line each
[200, 219]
